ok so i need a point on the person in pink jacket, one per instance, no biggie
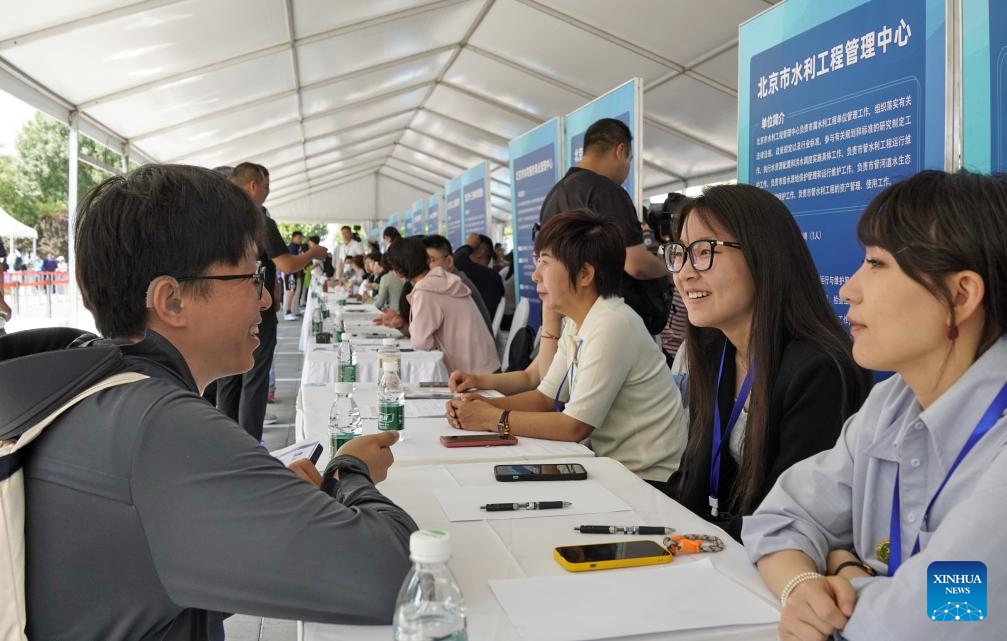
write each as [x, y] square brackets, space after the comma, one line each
[442, 314]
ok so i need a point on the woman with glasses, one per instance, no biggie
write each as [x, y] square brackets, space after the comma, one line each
[770, 375]
[904, 515]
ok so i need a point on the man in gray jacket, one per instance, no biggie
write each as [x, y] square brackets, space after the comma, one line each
[150, 513]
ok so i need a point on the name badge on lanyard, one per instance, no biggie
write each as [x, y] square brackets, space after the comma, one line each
[985, 424]
[568, 377]
[720, 440]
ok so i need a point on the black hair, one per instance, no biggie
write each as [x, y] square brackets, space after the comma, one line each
[487, 244]
[173, 220]
[936, 224]
[408, 256]
[790, 304]
[392, 232]
[581, 237]
[605, 134]
[315, 239]
[438, 242]
[297, 232]
[247, 171]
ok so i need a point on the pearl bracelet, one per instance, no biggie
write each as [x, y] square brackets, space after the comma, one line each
[794, 582]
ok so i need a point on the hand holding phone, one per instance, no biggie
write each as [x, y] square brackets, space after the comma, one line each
[606, 556]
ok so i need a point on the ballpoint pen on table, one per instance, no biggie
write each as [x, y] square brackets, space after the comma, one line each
[528, 505]
[623, 529]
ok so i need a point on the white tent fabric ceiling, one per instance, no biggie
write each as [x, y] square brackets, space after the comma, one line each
[359, 107]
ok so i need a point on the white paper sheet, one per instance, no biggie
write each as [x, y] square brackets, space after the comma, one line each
[647, 600]
[419, 408]
[299, 450]
[587, 497]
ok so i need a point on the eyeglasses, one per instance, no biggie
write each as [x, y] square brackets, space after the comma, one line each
[700, 254]
[258, 278]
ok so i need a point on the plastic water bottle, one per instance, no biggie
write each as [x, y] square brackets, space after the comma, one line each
[430, 605]
[338, 328]
[317, 322]
[391, 399]
[344, 418]
[347, 363]
[389, 352]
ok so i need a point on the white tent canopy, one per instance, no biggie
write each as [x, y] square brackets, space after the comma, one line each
[359, 108]
[12, 228]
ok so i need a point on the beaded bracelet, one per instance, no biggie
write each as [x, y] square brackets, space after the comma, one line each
[794, 582]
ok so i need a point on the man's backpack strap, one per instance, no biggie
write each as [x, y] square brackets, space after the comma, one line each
[32, 433]
[13, 618]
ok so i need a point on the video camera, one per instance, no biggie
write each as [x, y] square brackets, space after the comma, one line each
[660, 220]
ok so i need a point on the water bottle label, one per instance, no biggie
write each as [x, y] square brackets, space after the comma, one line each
[316, 327]
[325, 312]
[340, 439]
[391, 416]
[337, 337]
[347, 373]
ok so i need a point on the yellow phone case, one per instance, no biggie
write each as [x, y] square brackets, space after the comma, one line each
[586, 566]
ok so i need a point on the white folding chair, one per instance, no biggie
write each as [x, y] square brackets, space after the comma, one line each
[498, 318]
[520, 319]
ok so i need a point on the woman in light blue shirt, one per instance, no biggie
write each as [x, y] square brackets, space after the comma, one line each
[846, 538]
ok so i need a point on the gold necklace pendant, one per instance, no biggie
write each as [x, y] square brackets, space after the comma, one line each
[882, 550]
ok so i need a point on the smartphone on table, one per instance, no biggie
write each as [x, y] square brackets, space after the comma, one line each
[540, 472]
[476, 440]
[606, 556]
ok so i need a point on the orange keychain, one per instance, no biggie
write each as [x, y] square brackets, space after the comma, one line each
[693, 543]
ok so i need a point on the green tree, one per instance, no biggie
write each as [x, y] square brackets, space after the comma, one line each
[308, 229]
[52, 234]
[34, 184]
[42, 146]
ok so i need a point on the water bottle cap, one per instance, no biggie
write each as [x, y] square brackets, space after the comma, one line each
[389, 366]
[430, 546]
[389, 342]
[344, 388]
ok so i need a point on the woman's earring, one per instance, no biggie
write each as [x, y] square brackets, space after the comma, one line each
[952, 332]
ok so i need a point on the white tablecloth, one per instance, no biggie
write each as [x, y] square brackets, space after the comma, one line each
[356, 317]
[421, 445]
[522, 547]
[321, 364]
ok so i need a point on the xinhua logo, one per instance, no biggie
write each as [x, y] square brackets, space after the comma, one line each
[956, 591]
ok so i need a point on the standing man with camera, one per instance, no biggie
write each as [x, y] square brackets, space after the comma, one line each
[596, 184]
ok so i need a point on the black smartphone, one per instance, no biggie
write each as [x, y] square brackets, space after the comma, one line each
[540, 472]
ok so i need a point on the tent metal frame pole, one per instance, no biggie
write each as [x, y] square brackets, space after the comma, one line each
[73, 150]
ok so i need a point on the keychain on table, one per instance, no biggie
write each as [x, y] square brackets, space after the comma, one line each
[693, 543]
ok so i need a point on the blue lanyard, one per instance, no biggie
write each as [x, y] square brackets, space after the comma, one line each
[720, 440]
[985, 424]
[567, 377]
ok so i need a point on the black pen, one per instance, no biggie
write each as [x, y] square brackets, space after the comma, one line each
[531, 505]
[623, 529]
